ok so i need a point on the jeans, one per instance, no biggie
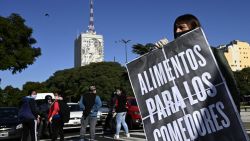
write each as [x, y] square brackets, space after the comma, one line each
[120, 119]
[92, 123]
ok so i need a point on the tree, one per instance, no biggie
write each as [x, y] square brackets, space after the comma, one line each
[16, 51]
[37, 86]
[141, 49]
[10, 96]
[75, 82]
[243, 80]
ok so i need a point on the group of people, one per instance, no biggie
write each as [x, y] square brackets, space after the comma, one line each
[91, 102]
[46, 117]
[49, 121]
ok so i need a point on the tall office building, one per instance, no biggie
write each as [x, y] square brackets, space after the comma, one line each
[237, 54]
[89, 46]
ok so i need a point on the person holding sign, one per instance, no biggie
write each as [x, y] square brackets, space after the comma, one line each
[188, 22]
[184, 89]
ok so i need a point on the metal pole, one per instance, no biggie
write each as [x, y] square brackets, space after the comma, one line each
[125, 45]
[126, 52]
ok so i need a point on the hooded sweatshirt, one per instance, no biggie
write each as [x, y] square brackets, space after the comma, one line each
[28, 109]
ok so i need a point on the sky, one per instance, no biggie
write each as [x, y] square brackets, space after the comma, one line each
[141, 21]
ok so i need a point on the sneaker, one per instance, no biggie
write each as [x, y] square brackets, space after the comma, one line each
[116, 137]
[128, 135]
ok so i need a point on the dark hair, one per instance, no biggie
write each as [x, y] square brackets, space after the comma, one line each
[189, 19]
[58, 94]
[30, 92]
[122, 90]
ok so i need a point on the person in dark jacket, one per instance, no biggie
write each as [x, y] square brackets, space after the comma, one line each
[28, 115]
[188, 22]
[91, 104]
[121, 110]
[44, 128]
[109, 125]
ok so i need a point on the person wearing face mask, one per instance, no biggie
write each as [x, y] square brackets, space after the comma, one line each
[55, 118]
[189, 22]
[28, 115]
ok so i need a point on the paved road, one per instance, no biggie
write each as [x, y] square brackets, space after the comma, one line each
[137, 135]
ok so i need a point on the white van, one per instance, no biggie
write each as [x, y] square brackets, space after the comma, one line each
[41, 96]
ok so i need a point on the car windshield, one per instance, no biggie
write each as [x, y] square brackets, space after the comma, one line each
[133, 102]
[75, 107]
[40, 102]
[8, 113]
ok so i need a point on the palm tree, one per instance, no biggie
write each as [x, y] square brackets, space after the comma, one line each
[141, 49]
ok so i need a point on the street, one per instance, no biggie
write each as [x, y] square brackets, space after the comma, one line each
[73, 135]
[136, 135]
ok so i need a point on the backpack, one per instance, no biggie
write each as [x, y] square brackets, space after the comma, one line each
[64, 111]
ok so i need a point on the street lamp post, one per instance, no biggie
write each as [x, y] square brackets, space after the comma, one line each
[125, 42]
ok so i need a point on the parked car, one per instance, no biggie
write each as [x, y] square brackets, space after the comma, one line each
[133, 118]
[10, 127]
[102, 113]
[75, 116]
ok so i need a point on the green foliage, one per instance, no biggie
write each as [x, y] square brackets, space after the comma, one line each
[141, 49]
[243, 81]
[37, 86]
[10, 96]
[75, 82]
[16, 51]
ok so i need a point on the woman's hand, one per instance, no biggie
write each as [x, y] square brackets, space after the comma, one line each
[50, 119]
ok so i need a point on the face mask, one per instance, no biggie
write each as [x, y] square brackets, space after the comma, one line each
[176, 35]
[49, 101]
[33, 96]
[118, 92]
